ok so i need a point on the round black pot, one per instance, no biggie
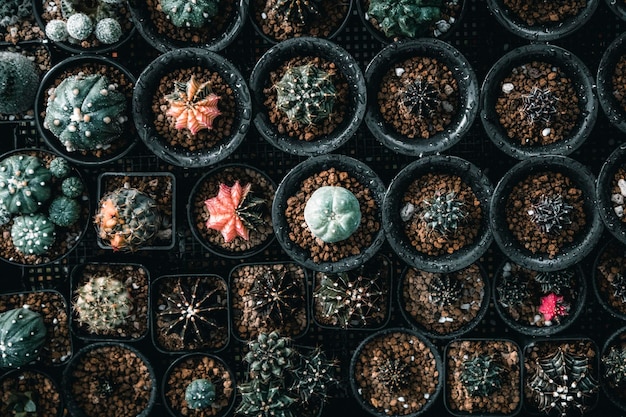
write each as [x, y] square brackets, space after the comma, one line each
[163, 43]
[393, 224]
[147, 86]
[619, 8]
[583, 85]
[28, 378]
[541, 33]
[346, 66]
[602, 293]
[606, 69]
[74, 63]
[614, 393]
[571, 253]
[465, 77]
[604, 191]
[291, 184]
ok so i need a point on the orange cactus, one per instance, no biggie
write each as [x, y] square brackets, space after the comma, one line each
[193, 105]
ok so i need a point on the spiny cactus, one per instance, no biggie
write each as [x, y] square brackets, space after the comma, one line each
[24, 183]
[481, 375]
[445, 290]
[420, 98]
[408, 18]
[127, 219]
[12, 11]
[32, 234]
[512, 291]
[555, 282]
[551, 213]
[82, 18]
[193, 105]
[269, 356]
[394, 374]
[306, 94]
[64, 211]
[276, 296]
[102, 304]
[101, 387]
[108, 30]
[553, 307]
[619, 287]
[313, 376]
[235, 211]
[72, 187]
[22, 333]
[18, 82]
[299, 12]
[190, 13]
[86, 112]
[264, 400]
[615, 365]
[332, 214]
[200, 394]
[539, 106]
[22, 404]
[443, 212]
[59, 167]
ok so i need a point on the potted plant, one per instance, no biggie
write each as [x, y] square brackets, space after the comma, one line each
[610, 80]
[608, 278]
[613, 374]
[29, 392]
[17, 23]
[309, 96]
[609, 194]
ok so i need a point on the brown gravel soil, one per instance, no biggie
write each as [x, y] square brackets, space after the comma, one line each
[173, 330]
[53, 308]
[506, 399]
[610, 269]
[289, 317]
[431, 241]
[436, 83]
[43, 390]
[67, 238]
[313, 131]
[332, 252]
[136, 281]
[615, 392]
[190, 368]
[619, 82]
[277, 27]
[527, 193]
[619, 206]
[395, 373]
[537, 104]
[203, 139]
[24, 30]
[262, 187]
[541, 12]
[419, 299]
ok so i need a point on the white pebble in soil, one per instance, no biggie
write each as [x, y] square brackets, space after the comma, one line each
[399, 71]
[618, 198]
[507, 88]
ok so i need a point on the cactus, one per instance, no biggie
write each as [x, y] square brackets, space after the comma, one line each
[59, 167]
[127, 219]
[84, 18]
[394, 374]
[22, 404]
[102, 304]
[22, 333]
[24, 184]
[276, 295]
[539, 106]
[553, 307]
[420, 98]
[64, 211]
[332, 214]
[190, 13]
[18, 82]
[554, 282]
[56, 30]
[299, 12]
[443, 212]
[615, 365]
[86, 112]
[269, 356]
[12, 11]
[619, 287]
[193, 105]
[72, 187]
[313, 376]
[32, 234]
[551, 213]
[512, 291]
[5, 215]
[200, 394]
[445, 290]
[79, 26]
[264, 400]
[235, 211]
[408, 18]
[108, 30]
[481, 376]
[306, 94]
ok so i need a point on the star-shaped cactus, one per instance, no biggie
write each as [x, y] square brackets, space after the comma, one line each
[193, 105]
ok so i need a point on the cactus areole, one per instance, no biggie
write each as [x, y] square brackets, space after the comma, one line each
[22, 332]
[24, 184]
[200, 394]
[332, 214]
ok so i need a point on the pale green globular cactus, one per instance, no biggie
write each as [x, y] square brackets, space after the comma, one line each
[102, 304]
[64, 211]
[24, 183]
[18, 82]
[86, 112]
[59, 167]
[72, 187]
[408, 18]
[81, 19]
[190, 13]
[32, 234]
[22, 333]
[332, 214]
[108, 30]
[200, 394]
[56, 30]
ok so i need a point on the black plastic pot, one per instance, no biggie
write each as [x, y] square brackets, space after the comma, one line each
[147, 86]
[33, 381]
[583, 84]
[74, 64]
[604, 191]
[395, 54]
[606, 69]
[619, 8]
[570, 253]
[290, 185]
[546, 32]
[601, 286]
[614, 393]
[346, 66]
[163, 43]
[393, 224]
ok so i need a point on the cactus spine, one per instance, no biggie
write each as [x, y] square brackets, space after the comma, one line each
[102, 304]
[299, 12]
[200, 394]
[481, 375]
[443, 212]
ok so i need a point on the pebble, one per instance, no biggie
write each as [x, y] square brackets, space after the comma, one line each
[619, 211]
[622, 186]
[546, 132]
[407, 212]
[443, 26]
[399, 71]
[507, 88]
[617, 198]
[448, 90]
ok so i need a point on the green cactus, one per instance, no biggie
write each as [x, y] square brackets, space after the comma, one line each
[102, 304]
[22, 404]
[393, 374]
[306, 94]
[264, 400]
[79, 26]
[551, 213]
[56, 30]
[18, 82]
[190, 13]
[84, 18]
[86, 112]
[445, 290]
[556, 281]
[22, 333]
[299, 12]
[615, 365]
[200, 394]
[72, 187]
[539, 106]
[24, 183]
[408, 18]
[12, 11]
[619, 287]
[332, 214]
[59, 167]
[313, 376]
[443, 212]
[276, 296]
[64, 211]
[420, 98]
[512, 291]
[32, 234]
[481, 375]
[269, 356]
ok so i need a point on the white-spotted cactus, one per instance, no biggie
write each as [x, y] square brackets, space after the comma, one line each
[32, 234]
[24, 184]
[18, 83]
[22, 333]
[190, 13]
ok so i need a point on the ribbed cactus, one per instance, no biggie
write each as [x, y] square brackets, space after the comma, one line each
[481, 375]
[420, 98]
[264, 400]
[32, 234]
[445, 290]
[18, 82]
[86, 112]
[332, 214]
[270, 356]
[313, 376]
[193, 105]
[24, 183]
[82, 18]
[619, 287]
[614, 362]
[539, 106]
[200, 394]
[443, 212]
[22, 333]
[64, 211]
[393, 374]
[298, 12]
[556, 281]
[12, 11]
[72, 187]
[127, 219]
[551, 213]
[276, 296]
[102, 304]
[306, 94]
[408, 18]
[190, 13]
[512, 291]
[59, 167]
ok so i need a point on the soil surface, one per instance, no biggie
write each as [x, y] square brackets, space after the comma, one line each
[541, 12]
[43, 390]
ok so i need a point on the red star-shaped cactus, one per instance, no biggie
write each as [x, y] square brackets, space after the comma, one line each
[193, 105]
[553, 307]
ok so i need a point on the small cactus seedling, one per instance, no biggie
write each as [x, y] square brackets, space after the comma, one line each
[22, 333]
[190, 13]
[72, 187]
[555, 282]
[408, 18]
[313, 376]
[299, 12]
[235, 211]
[443, 212]
[551, 213]
[12, 11]
[482, 375]
[393, 374]
[269, 356]
[420, 98]
[193, 106]
[306, 94]
[22, 404]
[64, 211]
[82, 18]
[24, 184]
[101, 387]
[59, 167]
[32, 234]
[553, 307]
[445, 290]
[619, 287]
[276, 296]
[332, 214]
[264, 400]
[200, 394]
[512, 291]
[102, 304]
[615, 365]
[539, 106]
[18, 82]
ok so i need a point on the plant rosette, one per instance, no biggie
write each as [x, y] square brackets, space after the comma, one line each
[29, 392]
[612, 372]
[544, 213]
[227, 221]
[611, 80]
[191, 107]
[211, 24]
[539, 303]
[436, 213]
[396, 372]
[444, 305]
[422, 96]
[538, 99]
[483, 377]
[108, 378]
[333, 216]
[309, 96]
[267, 297]
[611, 191]
[608, 278]
[69, 127]
[190, 313]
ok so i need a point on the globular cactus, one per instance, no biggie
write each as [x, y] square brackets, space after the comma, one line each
[269, 356]
[56, 30]
[614, 362]
[445, 290]
[443, 212]
[86, 112]
[12, 11]
[306, 94]
[18, 82]
[313, 376]
[512, 291]
[408, 18]
[22, 404]
[22, 333]
[276, 296]
[264, 400]
[193, 106]
[200, 394]
[539, 106]
[81, 19]
[102, 304]
[64, 211]
[553, 307]
[394, 374]
[59, 167]
[108, 30]
[79, 26]
[72, 187]
[551, 213]
[32, 234]
[190, 13]
[127, 219]
[24, 183]
[556, 281]
[298, 12]
[481, 375]
[332, 214]
[420, 98]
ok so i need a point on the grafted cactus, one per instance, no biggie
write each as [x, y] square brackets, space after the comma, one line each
[299, 12]
[82, 18]
[102, 304]
[332, 214]
[22, 333]
[190, 13]
[200, 394]
[24, 183]
[32, 234]
[193, 106]
[408, 18]
[18, 82]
